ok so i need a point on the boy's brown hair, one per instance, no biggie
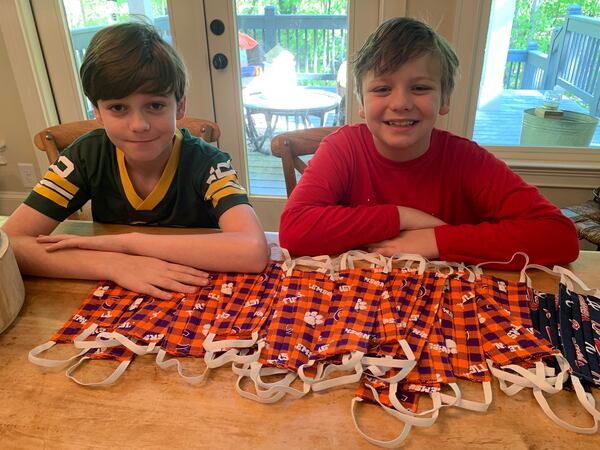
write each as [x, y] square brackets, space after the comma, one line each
[399, 40]
[131, 57]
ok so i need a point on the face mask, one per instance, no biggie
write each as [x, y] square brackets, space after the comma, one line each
[102, 311]
[580, 333]
[245, 305]
[564, 328]
[294, 325]
[188, 329]
[348, 330]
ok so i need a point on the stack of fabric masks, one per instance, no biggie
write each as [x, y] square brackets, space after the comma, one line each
[396, 328]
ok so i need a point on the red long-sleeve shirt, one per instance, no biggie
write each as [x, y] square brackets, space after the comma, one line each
[348, 197]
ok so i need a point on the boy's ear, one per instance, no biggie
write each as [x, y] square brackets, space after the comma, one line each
[98, 116]
[181, 107]
[361, 111]
[445, 107]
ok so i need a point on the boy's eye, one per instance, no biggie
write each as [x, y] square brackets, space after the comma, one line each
[117, 108]
[380, 89]
[422, 88]
[156, 106]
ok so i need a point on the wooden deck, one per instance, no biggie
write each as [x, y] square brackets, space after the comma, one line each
[493, 126]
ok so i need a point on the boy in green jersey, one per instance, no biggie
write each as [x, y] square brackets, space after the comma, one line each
[138, 170]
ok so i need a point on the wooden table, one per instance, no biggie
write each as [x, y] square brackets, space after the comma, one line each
[152, 408]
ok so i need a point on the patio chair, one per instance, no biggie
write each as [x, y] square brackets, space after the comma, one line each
[53, 139]
[289, 146]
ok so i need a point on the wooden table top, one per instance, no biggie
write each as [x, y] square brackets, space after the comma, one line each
[154, 408]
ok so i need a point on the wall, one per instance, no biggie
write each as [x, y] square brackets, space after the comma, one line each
[13, 130]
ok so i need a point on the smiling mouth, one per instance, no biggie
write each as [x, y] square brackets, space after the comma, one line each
[141, 142]
[400, 123]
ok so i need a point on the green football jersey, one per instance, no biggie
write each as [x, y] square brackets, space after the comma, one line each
[198, 184]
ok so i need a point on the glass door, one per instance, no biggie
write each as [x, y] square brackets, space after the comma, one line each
[285, 71]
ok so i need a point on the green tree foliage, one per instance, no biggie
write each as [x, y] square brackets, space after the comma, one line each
[534, 20]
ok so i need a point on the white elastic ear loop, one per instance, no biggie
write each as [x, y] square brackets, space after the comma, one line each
[34, 358]
[440, 266]
[375, 364]
[392, 443]
[321, 264]
[348, 259]
[566, 276]
[264, 389]
[525, 278]
[472, 405]
[261, 397]
[110, 379]
[123, 340]
[410, 258]
[349, 362]
[165, 364]
[418, 419]
[524, 255]
[586, 400]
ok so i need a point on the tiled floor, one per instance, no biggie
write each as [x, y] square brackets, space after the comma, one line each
[499, 126]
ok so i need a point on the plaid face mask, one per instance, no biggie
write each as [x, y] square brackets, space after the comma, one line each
[419, 314]
[245, 305]
[390, 357]
[349, 325]
[101, 311]
[188, 329]
[144, 326]
[292, 328]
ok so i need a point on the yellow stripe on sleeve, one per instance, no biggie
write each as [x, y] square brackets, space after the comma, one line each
[225, 192]
[221, 183]
[62, 182]
[51, 195]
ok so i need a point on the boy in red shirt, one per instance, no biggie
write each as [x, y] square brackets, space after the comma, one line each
[398, 185]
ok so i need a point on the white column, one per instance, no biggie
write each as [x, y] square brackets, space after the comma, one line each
[494, 63]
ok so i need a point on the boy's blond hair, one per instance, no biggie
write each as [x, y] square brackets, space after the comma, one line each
[131, 57]
[399, 40]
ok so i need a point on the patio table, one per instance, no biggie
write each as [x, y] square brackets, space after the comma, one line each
[299, 103]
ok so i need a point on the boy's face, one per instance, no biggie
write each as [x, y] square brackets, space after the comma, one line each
[401, 107]
[141, 125]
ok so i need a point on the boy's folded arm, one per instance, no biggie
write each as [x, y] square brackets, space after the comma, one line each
[141, 274]
[317, 229]
[240, 247]
[547, 241]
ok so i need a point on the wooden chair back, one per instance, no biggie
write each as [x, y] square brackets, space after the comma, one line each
[53, 139]
[289, 146]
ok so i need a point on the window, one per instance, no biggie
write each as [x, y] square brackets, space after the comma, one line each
[540, 85]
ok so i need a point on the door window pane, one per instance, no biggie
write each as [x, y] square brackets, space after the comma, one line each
[541, 77]
[292, 62]
[86, 17]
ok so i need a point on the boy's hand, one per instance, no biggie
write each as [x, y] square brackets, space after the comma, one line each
[415, 219]
[155, 277]
[421, 242]
[143, 274]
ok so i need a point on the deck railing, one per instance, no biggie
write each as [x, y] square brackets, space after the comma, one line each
[573, 61]
[318, 42]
